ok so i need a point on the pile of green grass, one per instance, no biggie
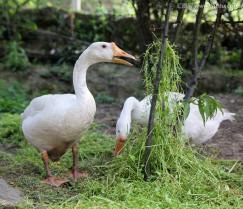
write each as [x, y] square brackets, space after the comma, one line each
[115, 183]
[118, 188]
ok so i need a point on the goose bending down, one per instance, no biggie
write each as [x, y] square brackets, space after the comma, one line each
[53, 123]
[194, 128]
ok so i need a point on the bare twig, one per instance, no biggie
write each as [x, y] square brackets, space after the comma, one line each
[237, 30]
[20, 5]
[197, 67]
[181, 11]
[7, 16]
[155, 92]
[193, 81]
[211, 38]
[226, 22]
[196, 34]
[143, 17]
[233, 23]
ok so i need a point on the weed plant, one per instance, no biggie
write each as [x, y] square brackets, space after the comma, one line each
[16, 58]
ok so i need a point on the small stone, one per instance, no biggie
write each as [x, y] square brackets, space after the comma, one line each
[9, 196]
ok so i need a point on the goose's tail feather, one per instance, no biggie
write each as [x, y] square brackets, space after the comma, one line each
[228, 115]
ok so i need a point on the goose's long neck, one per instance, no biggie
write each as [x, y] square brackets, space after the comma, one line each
[79, 76]
[130, 104]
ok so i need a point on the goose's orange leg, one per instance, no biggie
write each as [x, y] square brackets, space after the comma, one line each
[75, 173]
[50, 179]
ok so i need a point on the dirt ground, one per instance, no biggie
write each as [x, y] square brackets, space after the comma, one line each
[226, 144]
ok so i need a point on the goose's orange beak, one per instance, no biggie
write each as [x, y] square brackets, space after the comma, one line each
[119, 146]
[119, 54]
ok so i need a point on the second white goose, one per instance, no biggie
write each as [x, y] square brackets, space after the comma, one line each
[194, 128]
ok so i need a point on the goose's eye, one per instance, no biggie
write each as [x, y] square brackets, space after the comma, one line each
[103, 46]
[118, 131]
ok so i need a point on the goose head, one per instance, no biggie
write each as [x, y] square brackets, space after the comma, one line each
[123, 127]
[107, 52]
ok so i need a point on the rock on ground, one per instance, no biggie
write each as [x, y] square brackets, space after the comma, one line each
[9, 196]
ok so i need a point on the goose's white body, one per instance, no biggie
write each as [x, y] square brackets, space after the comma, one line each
[138, 111]
[54, 122]
[57, 121]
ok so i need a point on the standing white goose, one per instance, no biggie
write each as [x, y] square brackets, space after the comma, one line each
[194, 128]
[54, 122]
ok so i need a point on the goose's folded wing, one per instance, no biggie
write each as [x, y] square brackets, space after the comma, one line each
[35, 106]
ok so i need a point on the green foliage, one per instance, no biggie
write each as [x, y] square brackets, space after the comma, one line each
[13, 97]
[171, 68]
[15, 58]
[93, 29]
[10, 14]
[63, 72]
[1, 31]
[222, 57]
[234, 56]
[10, 131]
[186, 109]
[208, 106]
[103, 98]
[239, 91]
[48, 3]
[12, 6]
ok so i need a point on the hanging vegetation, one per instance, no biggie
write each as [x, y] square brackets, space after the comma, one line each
[174, 163]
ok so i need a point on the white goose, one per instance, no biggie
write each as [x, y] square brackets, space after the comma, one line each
[54, 122]
[194, 128]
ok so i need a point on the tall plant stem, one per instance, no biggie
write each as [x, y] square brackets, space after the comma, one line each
[155, 93]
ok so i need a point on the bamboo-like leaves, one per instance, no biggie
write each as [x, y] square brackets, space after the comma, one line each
[186, 109]
[207, 105]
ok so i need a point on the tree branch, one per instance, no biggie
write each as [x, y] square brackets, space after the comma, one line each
[181, 11]
[155, 92]
[195, 71]
[196, 34]
[233, 23]
[143, 17]
[198, 67]
[211, 37]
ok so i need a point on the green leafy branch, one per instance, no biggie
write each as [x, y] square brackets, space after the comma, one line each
[207, 105]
